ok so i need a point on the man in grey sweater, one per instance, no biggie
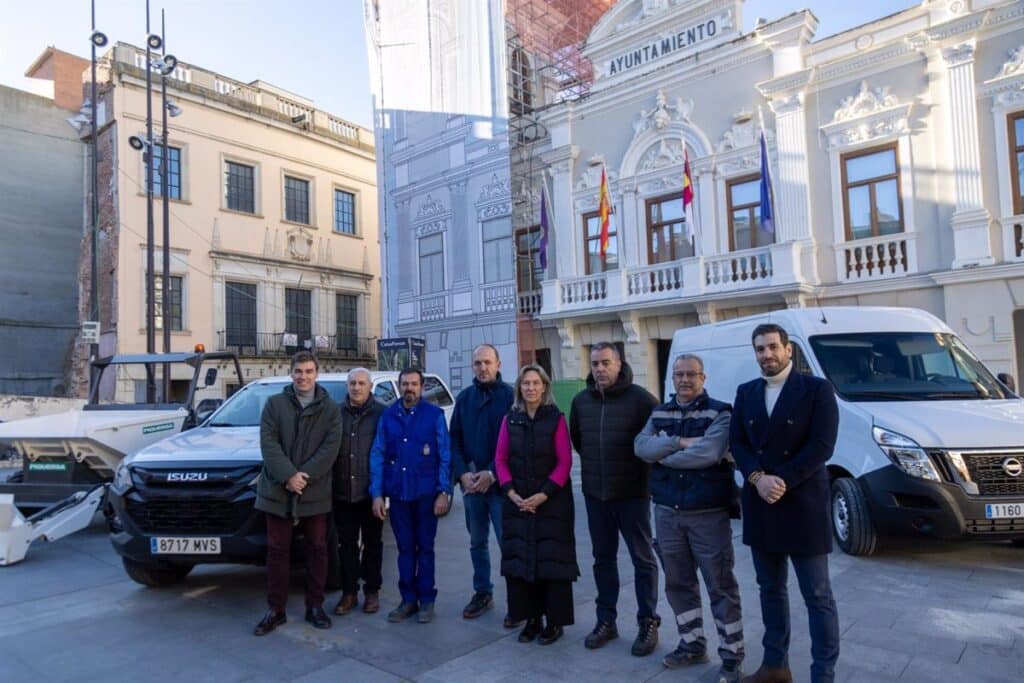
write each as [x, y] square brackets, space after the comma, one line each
[687, 441]
[300, 432]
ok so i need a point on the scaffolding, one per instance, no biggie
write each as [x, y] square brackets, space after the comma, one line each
[546, 67]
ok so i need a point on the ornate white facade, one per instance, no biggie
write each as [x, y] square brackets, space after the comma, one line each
[936, 87]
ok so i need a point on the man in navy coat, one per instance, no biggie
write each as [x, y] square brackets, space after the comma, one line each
[782, 433]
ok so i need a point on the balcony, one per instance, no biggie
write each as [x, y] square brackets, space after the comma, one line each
[530, 303]
[271, 345]
[749, 269]
[499, 298]
[738, 270]
[877, 258]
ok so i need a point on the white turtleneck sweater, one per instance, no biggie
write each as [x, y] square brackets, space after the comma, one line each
[773, 387]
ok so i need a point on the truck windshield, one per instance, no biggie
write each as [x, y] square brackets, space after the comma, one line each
[904, 366]
[246, 406]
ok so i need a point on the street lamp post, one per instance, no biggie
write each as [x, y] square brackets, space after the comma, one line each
[96, 39]
[150, 265]
[165, 195]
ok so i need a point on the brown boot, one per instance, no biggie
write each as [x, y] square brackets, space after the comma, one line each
[347, 603]
[770, 674]
[371, 603]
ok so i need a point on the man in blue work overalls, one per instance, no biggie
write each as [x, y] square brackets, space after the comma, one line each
[410, 464]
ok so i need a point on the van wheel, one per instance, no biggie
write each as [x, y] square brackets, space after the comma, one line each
[851, 521]
[155, 576]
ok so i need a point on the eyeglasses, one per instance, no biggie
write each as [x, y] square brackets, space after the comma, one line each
[689, 374]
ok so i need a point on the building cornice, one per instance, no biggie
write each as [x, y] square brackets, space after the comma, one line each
[136, 77]
[315, 268]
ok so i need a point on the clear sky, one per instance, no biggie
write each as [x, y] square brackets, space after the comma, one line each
[314, 48]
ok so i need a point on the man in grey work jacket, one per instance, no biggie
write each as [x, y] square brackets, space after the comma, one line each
[687, 441]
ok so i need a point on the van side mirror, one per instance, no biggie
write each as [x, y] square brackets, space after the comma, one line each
[211, 378]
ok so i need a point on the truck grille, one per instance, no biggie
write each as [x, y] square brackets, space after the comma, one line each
[185, 516]
[987, 472]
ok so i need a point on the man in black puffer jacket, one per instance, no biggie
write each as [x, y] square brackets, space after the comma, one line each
[360, 546]
[605, 419]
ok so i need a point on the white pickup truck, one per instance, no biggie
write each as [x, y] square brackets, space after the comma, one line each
[189, 498]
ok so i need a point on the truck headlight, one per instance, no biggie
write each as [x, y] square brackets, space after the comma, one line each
[906, 454]
[122, 478]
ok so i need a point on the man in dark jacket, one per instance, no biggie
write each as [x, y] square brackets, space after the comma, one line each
[410, 463]
[353, 508]
[687, 443]
[783, 432]
[605, 419]
[479, 410]
[300, 431]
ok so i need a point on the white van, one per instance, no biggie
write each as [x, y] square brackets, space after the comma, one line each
[929, 441]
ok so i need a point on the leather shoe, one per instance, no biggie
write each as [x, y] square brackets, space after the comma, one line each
[480, 603]
[371, 603]
[550, 634]
[347, 603]
[269, 622]
[601, 635]
[770, 674]
[646, 637]
[509, 622]
[426, 613]
[530, 631]
[318, 617]
[402, 612]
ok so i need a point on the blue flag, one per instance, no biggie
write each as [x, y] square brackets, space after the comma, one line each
[767, 211]
[544, 227]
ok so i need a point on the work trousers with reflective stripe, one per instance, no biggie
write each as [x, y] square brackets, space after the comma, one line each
[688, 542]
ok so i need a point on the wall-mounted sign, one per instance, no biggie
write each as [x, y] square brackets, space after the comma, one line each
[666, 45]
[91, 332]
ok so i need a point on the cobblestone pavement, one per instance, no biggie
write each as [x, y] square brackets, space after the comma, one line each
[914, 612]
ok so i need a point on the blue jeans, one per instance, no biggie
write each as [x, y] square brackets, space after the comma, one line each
[822, 617]
[483, 510]
[415, 526]
[630, 517]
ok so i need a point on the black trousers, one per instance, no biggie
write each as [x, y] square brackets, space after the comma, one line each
[535, 599]
[630, 518]
[360, 546]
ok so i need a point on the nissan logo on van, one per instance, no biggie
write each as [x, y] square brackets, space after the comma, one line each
[1012, 467]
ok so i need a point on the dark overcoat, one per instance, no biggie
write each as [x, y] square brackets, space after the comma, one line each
[794, 444]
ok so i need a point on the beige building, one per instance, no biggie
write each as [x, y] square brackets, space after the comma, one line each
[273, 223]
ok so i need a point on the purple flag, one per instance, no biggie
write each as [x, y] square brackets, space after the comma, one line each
[544, 228]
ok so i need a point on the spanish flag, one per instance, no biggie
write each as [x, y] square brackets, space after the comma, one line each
[687, 180]
[604, 208]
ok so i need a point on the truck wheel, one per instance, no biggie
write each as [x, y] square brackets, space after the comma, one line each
[155, 576]
[851, 521]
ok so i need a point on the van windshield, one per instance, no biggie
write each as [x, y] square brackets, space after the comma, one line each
[904, 366]
[246, 406]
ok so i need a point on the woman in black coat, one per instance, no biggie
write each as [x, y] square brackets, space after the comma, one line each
[538, 547]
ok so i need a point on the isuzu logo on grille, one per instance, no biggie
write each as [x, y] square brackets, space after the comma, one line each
[186, 476]
[1013, 467]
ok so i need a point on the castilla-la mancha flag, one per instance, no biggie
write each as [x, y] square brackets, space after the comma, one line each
[604, 208]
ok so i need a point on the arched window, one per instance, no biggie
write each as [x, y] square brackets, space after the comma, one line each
[520, 76]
